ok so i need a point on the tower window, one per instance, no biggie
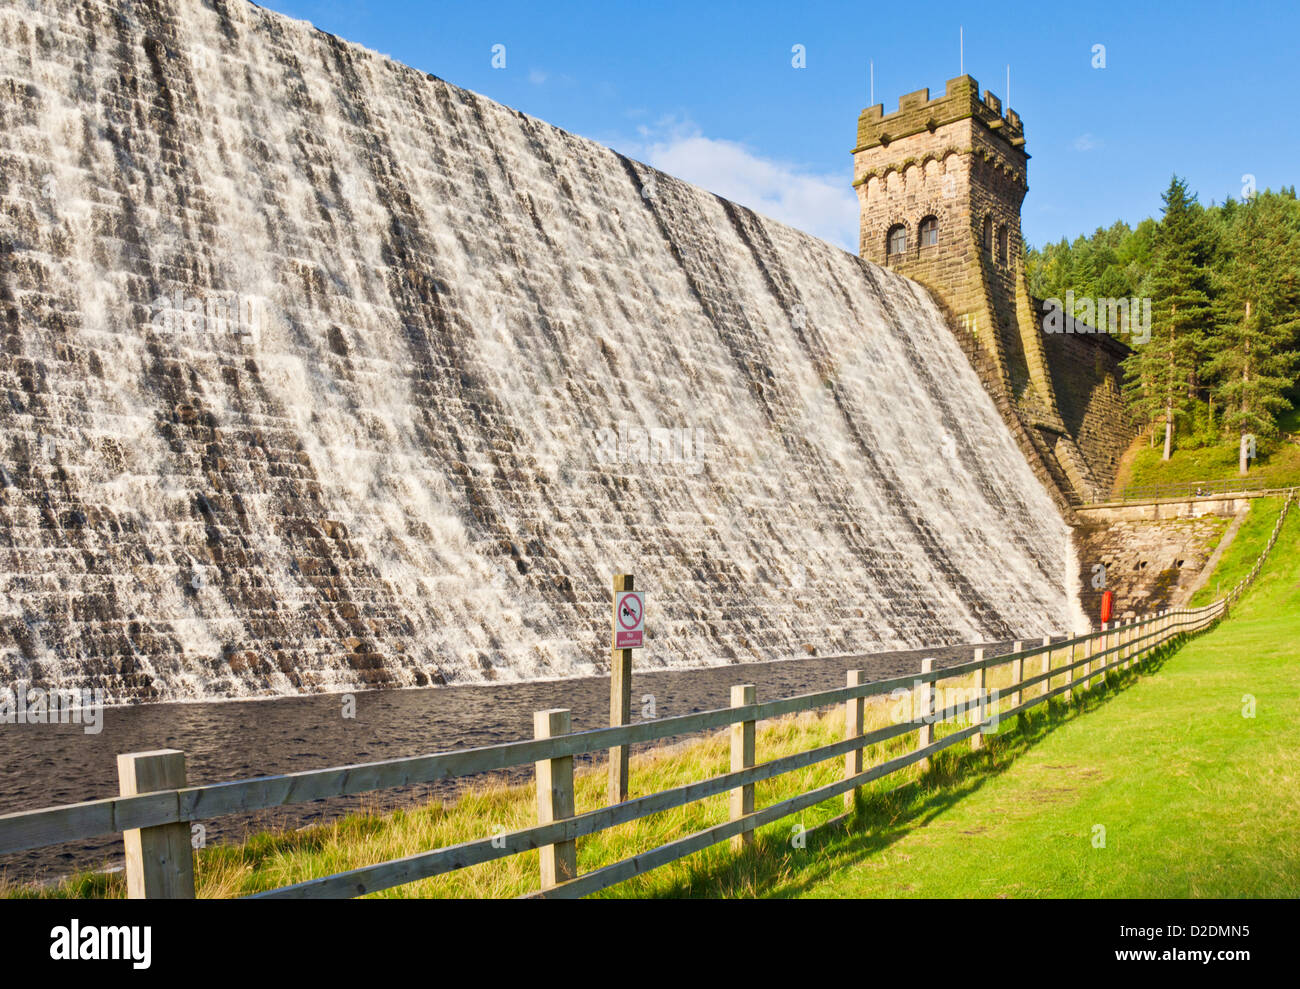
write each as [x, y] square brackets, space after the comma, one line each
[929, 231]
[988, 234]
[1002, 245]
[896, 242]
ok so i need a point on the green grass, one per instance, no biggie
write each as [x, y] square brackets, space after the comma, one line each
[1278, 464]
[1197, 800]
[1241, 554]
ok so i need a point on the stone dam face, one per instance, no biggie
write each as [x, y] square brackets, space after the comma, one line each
[319, 373]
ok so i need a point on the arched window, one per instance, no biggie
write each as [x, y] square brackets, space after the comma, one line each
[988, 234]
[929, 231]
[896, 241]
[1002, 245]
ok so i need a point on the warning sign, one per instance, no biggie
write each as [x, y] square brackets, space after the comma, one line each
[629, 619]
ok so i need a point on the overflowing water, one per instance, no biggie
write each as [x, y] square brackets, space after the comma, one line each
[319, 373]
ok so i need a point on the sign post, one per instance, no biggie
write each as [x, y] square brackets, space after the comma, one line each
[629, 630]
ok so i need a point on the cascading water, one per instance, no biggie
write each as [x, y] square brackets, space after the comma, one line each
[321, 373]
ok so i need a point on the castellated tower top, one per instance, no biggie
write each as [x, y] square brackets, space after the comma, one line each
[940, 183]
[917, 113]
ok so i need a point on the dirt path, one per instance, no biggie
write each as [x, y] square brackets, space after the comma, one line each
[1124, 471]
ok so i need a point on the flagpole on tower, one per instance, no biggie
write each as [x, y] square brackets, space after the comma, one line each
[872, 63]
[961, 48]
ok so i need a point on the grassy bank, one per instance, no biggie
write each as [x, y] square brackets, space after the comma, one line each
[277, 858]
[1243, 551]
[1192, 772]
[1278, 464]
[271, 859]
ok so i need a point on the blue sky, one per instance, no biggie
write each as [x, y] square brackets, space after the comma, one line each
[707, 91]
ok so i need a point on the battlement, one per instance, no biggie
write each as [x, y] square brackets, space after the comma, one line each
[917, 113]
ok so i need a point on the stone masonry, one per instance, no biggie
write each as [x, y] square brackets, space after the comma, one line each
[957, 163]
[1149, 564]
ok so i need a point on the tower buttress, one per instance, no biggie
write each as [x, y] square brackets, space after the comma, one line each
[940, 183]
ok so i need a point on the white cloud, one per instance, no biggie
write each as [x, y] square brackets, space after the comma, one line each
[822, 205]
[1086, 142]
[536, 76]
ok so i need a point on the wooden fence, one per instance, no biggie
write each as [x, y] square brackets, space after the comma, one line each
[1194, 489]
[155, 808]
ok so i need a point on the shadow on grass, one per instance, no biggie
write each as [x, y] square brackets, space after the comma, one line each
[772, 868]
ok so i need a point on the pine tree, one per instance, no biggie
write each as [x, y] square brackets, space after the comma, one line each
[1159, 375]
[1254, 360]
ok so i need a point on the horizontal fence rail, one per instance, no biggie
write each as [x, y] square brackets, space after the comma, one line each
[1194, 489]
[155, 809]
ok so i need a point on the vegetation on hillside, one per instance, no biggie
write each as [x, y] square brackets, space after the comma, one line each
[1243, 552]
[1201, 458]
[1223, 354]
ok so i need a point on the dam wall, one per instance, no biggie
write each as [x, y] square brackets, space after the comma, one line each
[319, 373]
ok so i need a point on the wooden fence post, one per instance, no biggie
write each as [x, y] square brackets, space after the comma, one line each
[981, 700]
[159, 860]
[555, 798]
[1087, 666]
[742, 757]
[1047, 665]
[1017, 671]
[1069, 674]
[925, 710]
[853, 711]
[620, 701]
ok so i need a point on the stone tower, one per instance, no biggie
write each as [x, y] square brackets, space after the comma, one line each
[940, 183]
